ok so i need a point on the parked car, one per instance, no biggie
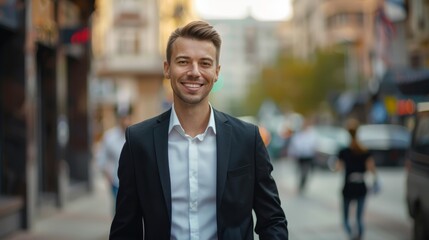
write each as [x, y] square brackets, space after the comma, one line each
[388, 143]
[330, 140]
[417, 186]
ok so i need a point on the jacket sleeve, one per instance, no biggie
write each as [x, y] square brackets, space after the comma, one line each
[271, 221]
[127, 222]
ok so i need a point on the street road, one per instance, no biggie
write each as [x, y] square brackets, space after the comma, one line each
[316, 214]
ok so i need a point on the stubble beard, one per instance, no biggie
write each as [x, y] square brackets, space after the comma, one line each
[189, 99]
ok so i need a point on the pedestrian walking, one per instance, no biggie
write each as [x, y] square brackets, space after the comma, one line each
[355, 160]
[302, 148]
[111, 145]
[194, 172]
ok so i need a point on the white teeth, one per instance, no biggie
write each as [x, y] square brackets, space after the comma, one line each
[190, 85]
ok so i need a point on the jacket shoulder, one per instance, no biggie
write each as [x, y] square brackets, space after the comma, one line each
[148, 124]
[237, 123]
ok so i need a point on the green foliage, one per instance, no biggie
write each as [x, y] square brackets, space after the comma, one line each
[301, 84]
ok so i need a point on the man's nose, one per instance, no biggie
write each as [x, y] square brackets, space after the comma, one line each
[194, 71]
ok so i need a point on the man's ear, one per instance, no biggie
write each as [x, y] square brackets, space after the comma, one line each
[217, 72]
[166, 70]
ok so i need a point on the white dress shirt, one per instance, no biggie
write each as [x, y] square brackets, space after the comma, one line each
[192, 164]
[303, 144]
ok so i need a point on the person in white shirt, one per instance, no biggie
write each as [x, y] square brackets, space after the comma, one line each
[302, 148]
[111, 145]
[194, 172]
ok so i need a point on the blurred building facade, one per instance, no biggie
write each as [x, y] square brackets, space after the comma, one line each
[348, 25]
[126, 55]
[247, 45]
[413, 80]
[129, 39]
[45, 135]
[372, 34]
[418, 32]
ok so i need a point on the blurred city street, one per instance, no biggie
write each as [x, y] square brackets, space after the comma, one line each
[314, 215]
[75, 73]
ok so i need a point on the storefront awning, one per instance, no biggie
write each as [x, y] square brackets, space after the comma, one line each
[413, 82]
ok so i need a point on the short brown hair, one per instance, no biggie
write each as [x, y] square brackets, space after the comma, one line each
[199, 30]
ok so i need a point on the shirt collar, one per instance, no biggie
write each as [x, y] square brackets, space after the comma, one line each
[175, 123]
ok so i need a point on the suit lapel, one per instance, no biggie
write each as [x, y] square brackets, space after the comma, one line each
[223, 141]
[161, 151]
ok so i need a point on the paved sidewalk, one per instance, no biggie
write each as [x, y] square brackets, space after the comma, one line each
[86, 218]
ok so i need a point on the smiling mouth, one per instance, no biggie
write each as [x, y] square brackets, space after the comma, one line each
[192, 85]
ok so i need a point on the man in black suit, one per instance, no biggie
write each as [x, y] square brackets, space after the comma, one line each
[194, 172]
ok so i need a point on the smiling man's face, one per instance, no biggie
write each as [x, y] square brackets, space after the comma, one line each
[192, 70]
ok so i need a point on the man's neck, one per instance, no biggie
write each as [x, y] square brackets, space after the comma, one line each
[194, 119]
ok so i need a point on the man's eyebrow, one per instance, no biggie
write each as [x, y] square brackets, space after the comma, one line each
[207, 59]
[186, 58]
[182, 57]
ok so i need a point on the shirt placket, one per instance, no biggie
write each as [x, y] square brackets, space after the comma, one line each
[193, 189]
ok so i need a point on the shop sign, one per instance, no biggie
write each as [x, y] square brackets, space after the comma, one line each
[71, 29]
[390, 102]
[406, 107]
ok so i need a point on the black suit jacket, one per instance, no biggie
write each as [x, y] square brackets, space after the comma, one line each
[244, 182]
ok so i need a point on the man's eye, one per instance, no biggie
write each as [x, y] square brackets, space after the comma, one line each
[207, 64]
[182, 62]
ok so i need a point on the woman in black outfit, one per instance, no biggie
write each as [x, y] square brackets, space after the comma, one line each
[355, 160]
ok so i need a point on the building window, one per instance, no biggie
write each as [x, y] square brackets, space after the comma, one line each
[342, 19]
[128, 43]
